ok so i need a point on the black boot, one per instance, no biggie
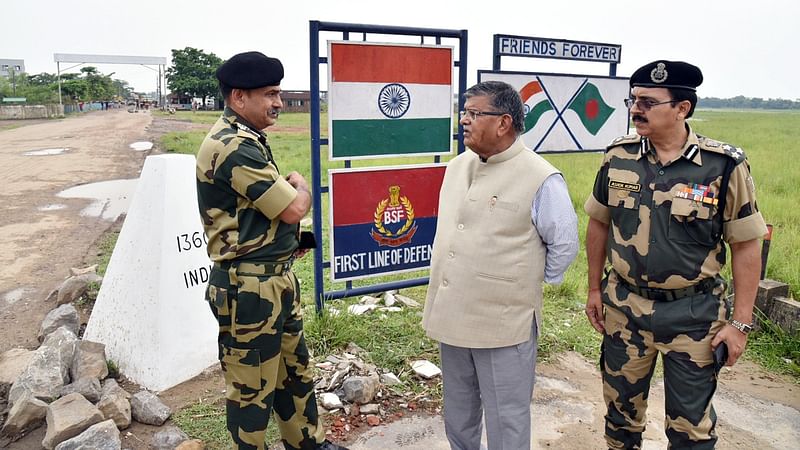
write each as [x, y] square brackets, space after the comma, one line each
[328, 445]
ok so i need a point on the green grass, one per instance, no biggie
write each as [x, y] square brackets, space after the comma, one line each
[393, 340]
[205, 420]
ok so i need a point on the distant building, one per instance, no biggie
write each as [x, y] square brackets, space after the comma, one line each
[296, 101]
[11, 67]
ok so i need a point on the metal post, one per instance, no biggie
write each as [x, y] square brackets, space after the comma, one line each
[462, 83]
[765, 251]
[316, 178]
[58, 71]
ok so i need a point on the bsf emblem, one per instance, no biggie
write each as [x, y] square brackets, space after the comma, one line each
[394, 220]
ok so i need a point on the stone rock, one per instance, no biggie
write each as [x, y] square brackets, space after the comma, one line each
[425, 368]
[48, 370]
[786, 314]
[89, 361]
[411, 303]
[360, 390]
[191, 444]
[370, 408]
[74, 287]
[389, 299]
[373, 420]
[28, 413]
[168, 438]
[111, 387]
[354, 349]
[116, 407]
[65, 342]
[68, 417]
[101, 436]
[63, 316]
[358, 310]
[52, 296]
[330, 401]
[390, 379]
[148, 408]
[767, 291]
[82, 271]
[369, 300]
[89, 388]
[12, 364]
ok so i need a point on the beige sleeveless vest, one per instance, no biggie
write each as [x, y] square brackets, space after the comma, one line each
[488, 259]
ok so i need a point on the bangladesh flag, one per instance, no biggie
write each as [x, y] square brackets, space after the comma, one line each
[536, 103]
[591, 108]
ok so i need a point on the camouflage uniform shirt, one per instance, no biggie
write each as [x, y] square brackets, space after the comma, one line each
[241, 193]
[665, 222]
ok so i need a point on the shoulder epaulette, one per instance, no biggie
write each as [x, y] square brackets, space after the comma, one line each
[722, 148]
[622, 140]
[246, 131]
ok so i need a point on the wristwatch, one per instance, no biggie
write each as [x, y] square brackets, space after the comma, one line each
[743, 327]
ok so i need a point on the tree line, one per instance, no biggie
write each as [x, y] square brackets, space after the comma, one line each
[742, 102]
[87, 86]
[191, 75]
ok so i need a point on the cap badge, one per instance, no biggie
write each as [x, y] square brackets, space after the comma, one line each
[659, 74]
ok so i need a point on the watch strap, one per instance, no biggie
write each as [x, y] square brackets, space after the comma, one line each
[741, 326]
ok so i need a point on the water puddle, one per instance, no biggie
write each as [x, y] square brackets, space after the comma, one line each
[110, 198]
[141, 146]
[52, 207]
[46, 152]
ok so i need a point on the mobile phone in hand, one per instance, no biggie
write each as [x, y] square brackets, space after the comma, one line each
[720, 356]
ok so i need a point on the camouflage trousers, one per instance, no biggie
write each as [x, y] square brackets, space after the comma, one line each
[263, 355]
[637, 329]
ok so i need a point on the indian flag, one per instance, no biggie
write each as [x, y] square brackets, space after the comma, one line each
[389, 99]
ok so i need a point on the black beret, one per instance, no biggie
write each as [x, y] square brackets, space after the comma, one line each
[667, 74]
[250, 70]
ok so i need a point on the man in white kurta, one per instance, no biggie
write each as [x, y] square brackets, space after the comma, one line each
[506, 224]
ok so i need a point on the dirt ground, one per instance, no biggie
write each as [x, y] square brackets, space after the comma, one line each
[42, 242]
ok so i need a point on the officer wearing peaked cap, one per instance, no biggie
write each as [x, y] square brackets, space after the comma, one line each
[250, 213]
[667, 204]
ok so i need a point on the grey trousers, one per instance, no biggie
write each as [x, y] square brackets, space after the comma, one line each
[496, 383]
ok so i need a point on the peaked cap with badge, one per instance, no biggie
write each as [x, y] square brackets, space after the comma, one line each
[667, 74]
[250, 70]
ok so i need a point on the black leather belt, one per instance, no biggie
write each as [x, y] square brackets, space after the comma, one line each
[668, 295]
[257, 267]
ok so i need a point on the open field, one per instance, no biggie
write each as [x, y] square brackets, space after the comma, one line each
[767, 138]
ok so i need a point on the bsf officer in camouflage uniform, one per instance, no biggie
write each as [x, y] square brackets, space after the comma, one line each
[665, 203]
[250, 214]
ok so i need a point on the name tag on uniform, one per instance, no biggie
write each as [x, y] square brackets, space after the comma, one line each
[632, 187]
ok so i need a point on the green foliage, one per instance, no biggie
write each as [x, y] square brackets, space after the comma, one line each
[205, 420]
[192, 73]
[105, 248]
[113, 369]
[774, 348]
[742, 102]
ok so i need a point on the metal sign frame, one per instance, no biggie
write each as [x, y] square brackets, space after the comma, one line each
[315, 59]
[144, 61]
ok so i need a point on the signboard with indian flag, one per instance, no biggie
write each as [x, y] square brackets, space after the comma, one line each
[389, 99]
[567, 113]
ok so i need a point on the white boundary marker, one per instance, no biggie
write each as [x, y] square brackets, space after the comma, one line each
[150, 312]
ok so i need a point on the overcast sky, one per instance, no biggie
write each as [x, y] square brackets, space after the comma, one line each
[743, 47]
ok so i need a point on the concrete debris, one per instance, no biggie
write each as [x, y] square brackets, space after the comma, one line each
[426, 369]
